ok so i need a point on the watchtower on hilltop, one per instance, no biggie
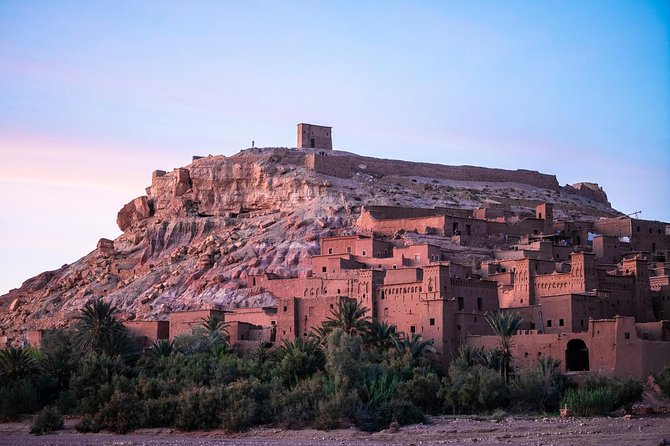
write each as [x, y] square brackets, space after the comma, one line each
[312, 136]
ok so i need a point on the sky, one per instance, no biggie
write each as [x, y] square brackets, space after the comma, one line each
[94, 96]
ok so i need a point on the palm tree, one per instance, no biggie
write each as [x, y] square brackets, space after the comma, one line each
[468, 355]
[213, 328]
[299, 358]
[99, 330]
[504, 325]
[350, 317]
[162, 348]
[382, 336]
[415, 345]
[15, 364]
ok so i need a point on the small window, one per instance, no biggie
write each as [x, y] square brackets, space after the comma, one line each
[650, 230]
[412, 329]
[386, 311]
[365, 253]
[332, 306]
[581, 322]
[561, 322]
[459, 328]
[626, 335]
[479, 304]
[330, 250]
[638, 229]
[395, 267]
[285, 308]
[549, 323]
[417, 257]
[311, 311]
[338, 291]
[348, 249]
[461, 304]
[532, 325]
[525, 355]
[432, 321]
[324, 269]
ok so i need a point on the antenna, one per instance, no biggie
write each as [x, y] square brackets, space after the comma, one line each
[636, 214]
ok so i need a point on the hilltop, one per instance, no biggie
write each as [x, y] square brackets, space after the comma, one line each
[199, 230]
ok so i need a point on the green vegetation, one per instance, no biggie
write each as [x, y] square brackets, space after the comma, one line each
[348, 372]
[663, 380]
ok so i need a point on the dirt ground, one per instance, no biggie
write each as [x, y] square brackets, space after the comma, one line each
[647, 430]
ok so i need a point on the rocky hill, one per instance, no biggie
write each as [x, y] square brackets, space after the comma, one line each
[200, 229]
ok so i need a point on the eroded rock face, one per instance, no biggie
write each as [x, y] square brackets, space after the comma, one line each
[200, 230]
[592, 191]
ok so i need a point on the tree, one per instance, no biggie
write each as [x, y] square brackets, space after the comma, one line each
[350, 317]
[504, 325]
[415, 345]
[16, 364]
[382, 336]
[99, 331]
[213, 328]
[299, 359]
[161, 348]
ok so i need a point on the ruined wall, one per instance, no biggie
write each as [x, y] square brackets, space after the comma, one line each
[459, 173]
[422, 225]
[336, 166]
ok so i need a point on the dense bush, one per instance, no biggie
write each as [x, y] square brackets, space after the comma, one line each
[349, 372]
[600, 396]
[49, 419]
[588, 402]
[663, 380]
[473, 389]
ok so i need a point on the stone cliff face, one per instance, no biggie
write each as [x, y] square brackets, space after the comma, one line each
[199, 230]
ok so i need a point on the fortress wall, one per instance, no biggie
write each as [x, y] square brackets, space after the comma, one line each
[459, 173]
[337, 166]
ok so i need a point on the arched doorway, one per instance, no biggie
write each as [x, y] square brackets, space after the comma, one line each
[577, 356]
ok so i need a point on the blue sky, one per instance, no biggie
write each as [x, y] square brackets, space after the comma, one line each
[96, 95]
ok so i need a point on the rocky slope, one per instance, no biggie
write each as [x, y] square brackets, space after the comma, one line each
[199, 230]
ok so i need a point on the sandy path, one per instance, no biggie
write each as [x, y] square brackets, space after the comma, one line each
[651, 430]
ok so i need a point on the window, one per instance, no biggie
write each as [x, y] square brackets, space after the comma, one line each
[324, 269]
[417, 257]
[581, 322]
[395, 267]
[626, 335]
[338, 291]
[650, 230]
[532, 325]
[461, 304]
[479, 304]
[467, 229]
[638, 229]
[311, 311]
[386, 311]
[549, 323]
[432, 321]
[330, 250]
[560, 322]
[364, 252]
[412, 329]
[254, 281]
[332, 306]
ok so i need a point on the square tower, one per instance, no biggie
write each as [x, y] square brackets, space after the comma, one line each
[312, 136]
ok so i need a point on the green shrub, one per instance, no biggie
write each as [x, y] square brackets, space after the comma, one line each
[123, 413]
[473, 389]
[588, 402]
[402, 412]
[340, 409]
[297, 407]
[539, 389]
[17, 399]
[421, 390]
[48, 420]
[622, 393]
[244, 405]
[198, 408]
[87, 424]
[663, 380]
